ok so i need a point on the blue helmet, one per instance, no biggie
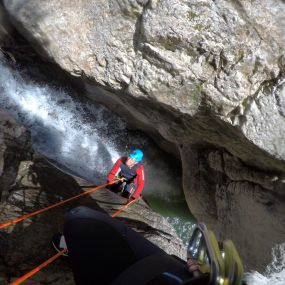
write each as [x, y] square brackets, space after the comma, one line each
[136, 155]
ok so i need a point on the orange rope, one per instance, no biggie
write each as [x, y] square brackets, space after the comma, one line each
[53, 205]
[38, 268]
[125, 207]
[35, 270]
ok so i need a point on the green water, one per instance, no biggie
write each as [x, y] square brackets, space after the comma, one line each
[176, 211]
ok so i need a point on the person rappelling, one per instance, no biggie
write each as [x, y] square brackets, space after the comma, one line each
[131, 172]
[105, 251]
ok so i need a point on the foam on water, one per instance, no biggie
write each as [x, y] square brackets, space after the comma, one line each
[87, 138]
[275, 271]
[57, 125]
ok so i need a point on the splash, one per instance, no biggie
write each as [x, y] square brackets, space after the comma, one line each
[83, 137]
[57, 126]
[275, 271]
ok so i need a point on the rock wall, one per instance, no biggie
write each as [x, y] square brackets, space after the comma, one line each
[238, 202]
[28, 183]
[205, 75]
[6, 29]
[27, 244]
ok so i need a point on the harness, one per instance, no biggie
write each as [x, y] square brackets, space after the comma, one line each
[128, 173]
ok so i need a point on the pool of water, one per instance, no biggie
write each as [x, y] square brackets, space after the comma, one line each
[176, 211]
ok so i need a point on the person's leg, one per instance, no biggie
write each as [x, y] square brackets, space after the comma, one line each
[116, 188]
[126, 194]
[100, 247]
[128, 190]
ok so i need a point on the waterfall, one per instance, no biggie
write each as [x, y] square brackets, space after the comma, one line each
[81, 136]
[88, 138]
[57, 125]
[85, 138]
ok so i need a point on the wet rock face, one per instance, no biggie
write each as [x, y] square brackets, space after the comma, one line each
[144, 220]
[226, 57]
[6, 29]
[26, 186]
[206, 73]
[29, 183]
[27, 244]
[245, 205]
[14, 147]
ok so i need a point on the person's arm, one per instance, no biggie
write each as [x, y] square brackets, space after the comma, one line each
[114, 171]
[140, 182]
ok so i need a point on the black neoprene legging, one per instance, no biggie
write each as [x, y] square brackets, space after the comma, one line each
[101, 248]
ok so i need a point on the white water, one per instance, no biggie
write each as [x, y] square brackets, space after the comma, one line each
[82, 137]
[57, 129]
[87, 139]
[275, 271]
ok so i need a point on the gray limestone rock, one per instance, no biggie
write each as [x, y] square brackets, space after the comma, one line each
[170, 62]
[207, 73]
[6, 29]
[186, 55]
[28, 183]
[240, 203]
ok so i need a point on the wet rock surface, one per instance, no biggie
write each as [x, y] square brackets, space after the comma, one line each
[140, 217]
[223, 57]
[204, 78]
[29, 183]
[238, 202]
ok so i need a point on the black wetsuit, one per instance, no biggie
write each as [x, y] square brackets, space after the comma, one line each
[134, 178]
[104, 251]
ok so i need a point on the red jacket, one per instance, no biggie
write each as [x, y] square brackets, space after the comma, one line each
[138, 174]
